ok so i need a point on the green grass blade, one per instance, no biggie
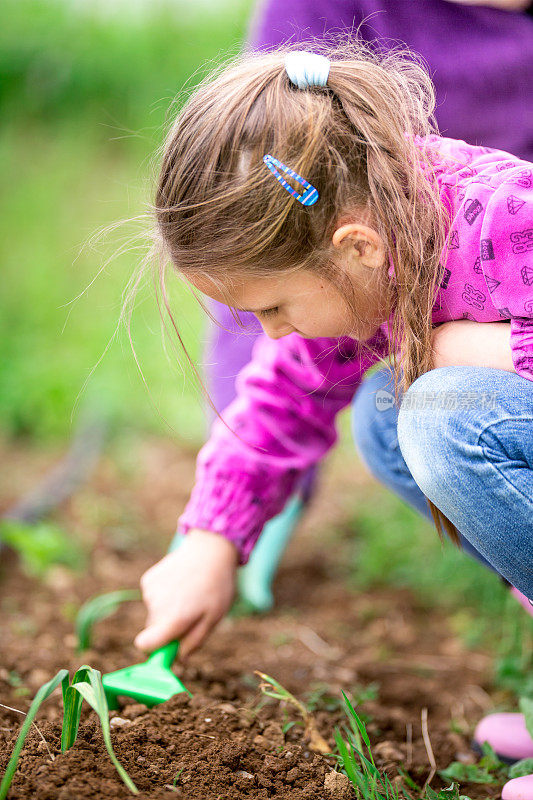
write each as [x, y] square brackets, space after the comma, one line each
[42, 694]
[361, 727]
[72, 701]
[98, 608]
[93, 693]
[347, 760]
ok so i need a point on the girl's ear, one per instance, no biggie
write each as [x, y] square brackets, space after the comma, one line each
[360, 244]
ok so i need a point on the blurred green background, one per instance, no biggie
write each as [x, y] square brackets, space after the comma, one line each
[86, 89]
[85, 92]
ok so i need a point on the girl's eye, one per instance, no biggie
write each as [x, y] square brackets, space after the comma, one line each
[268, 312]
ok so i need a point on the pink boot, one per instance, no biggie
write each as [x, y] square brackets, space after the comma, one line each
[507, 735]
[518, 789]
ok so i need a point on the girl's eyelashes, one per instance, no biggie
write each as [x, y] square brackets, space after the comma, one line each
[268, 312]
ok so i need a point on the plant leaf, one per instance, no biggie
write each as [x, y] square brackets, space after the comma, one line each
[72, 701]
[521, 768]
[473, 773]
[490, 760]
[354, 718]
[97, 608]
[93, 693]
[526, 707]
[42, 694]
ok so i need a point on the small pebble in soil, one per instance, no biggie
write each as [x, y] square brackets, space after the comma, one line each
[293, 775]
[388, 751]
[118, 722]
[337, 785]
[243, 774]
[227, 708]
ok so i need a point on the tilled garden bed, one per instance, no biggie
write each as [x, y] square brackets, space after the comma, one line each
[417, 686]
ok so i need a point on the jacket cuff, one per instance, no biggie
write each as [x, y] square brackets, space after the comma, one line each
[522, 346]
[236, 507]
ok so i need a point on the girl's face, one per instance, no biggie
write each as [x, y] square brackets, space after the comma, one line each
[305, 303]
[301, 302]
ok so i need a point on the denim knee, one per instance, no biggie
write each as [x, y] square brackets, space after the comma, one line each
[433, 432]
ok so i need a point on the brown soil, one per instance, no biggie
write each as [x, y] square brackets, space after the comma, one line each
[228, 742]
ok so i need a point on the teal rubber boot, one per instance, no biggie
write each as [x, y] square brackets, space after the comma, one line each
[256, 577]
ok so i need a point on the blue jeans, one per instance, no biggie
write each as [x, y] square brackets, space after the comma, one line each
[463, 437]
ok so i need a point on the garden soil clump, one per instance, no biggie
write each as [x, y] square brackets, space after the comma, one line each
[396, 657]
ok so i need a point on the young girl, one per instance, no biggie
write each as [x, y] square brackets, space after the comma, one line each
[311, 190]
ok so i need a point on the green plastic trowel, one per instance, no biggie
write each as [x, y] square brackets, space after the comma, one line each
[150, 682]
[153, 681]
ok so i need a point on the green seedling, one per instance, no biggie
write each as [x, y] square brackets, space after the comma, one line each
[177, 776]
[272, 688]
[98, 608]
[40, 546]
[488, 770]
[365, 777]
[86, 684]
[521, 768]
[450, 793]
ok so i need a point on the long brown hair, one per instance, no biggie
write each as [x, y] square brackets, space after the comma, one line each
[219, 213]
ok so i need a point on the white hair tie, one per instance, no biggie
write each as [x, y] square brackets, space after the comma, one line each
[307, 69]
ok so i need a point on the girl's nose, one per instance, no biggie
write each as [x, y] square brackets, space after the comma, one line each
[276, 331]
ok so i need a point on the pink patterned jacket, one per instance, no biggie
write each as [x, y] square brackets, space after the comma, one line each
[290, 392]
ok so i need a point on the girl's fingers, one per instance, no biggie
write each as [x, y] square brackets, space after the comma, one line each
[156, 634]
[195, 636]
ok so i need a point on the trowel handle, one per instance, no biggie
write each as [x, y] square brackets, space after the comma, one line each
[164, 656]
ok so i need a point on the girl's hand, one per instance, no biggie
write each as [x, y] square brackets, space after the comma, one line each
[510, 5]
[474, 344]
[188, 592]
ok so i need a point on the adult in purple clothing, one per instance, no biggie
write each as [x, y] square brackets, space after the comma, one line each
[480, 58]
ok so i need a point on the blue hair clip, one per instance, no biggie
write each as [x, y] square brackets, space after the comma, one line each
[308, 197]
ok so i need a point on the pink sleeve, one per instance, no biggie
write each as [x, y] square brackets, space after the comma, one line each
[507, 261]
[281, 422]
